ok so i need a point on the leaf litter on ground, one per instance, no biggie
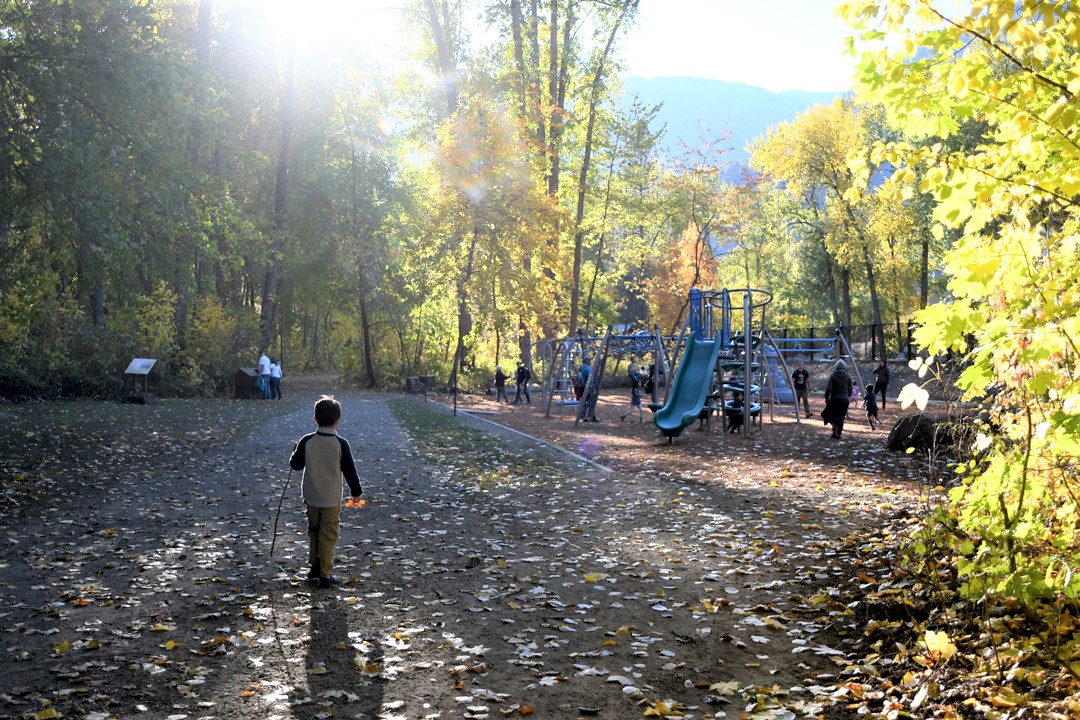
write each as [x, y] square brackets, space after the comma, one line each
[485, 577]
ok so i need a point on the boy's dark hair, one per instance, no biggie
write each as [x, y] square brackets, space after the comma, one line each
[327, 411]
[869, 388]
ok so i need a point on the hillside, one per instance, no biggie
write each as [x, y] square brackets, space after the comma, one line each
[697, 107]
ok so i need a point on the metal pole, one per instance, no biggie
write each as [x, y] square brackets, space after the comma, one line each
[276, 517]
[747, 358]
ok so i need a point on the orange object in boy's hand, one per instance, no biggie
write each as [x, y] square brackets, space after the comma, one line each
[355, 502]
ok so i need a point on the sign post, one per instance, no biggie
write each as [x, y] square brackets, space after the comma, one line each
[140, 366]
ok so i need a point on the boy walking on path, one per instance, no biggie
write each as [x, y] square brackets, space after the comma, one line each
[325, 457]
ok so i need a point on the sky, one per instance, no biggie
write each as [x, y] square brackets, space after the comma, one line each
[775, 44]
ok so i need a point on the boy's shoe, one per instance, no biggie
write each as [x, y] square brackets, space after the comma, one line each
[328, 582]
[313, 575]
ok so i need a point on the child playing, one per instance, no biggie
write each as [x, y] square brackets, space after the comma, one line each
[635, 393]
[500, 385]
[870, 403]
[735, 414]
[325, 457]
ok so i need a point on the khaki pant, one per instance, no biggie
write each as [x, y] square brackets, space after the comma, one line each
[802, 396]
[323, 529]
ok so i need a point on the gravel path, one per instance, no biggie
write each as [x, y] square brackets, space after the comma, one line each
[140, 583]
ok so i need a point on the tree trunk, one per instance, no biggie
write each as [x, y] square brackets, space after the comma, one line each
[553, 93]
[464, 316]
[202, 58]
[446, 58]
[497, 323]
[845, 291]
[830, 285]
[89, 280]
[314, 342]
[272, 283]
[583, 177]
[924, 272]
[518, 35]
[530, 105]
[875, 300]
[533, 80]
[365, 327]
[603, 233]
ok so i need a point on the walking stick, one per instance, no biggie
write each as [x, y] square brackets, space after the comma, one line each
[280, 500]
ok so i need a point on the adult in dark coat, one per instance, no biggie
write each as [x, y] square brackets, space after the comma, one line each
[837, 398]
[881, 381]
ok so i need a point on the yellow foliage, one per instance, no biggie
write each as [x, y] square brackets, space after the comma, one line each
[989, 92]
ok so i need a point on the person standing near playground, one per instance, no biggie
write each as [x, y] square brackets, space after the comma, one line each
[800, 380]
[838, 389]
[881, 381]
[522, 376]
[275, 380]
[500, 385]
[870, 403]
[264, 373]
[581, 378]
[735, 415]
[635, 393]
[326, 458]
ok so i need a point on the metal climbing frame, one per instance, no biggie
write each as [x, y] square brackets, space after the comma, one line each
[560, 358]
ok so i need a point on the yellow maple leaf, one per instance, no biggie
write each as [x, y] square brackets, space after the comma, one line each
[725, 688]
[938, 646]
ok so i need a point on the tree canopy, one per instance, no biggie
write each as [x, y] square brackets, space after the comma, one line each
[986, 100]
[233, 172]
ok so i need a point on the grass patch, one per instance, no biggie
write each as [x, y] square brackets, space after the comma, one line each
[48, 446]
[470, 458]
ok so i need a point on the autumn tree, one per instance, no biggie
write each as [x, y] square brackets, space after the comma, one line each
[1014, 274]
[687, 256]
[814, 159]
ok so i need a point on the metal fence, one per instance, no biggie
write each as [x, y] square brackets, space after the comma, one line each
[868, 342]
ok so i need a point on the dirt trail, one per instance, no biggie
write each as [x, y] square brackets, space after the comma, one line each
[139, 582]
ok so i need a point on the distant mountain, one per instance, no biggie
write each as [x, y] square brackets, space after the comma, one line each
[690, 105]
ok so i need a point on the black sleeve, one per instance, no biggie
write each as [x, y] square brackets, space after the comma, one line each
[296, 462]
[348, 468]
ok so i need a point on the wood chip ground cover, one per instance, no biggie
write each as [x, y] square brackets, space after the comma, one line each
[487, 576]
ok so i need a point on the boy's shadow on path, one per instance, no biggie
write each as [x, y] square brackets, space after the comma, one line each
[341, 666]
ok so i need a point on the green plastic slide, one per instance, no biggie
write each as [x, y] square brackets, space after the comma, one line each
[691, 386]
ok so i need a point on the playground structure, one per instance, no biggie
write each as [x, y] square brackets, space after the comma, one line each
[722, 361]
[561, 357]
[724, 350]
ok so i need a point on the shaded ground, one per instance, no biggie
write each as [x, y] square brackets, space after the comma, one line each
[797, 461]
[487, 576]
